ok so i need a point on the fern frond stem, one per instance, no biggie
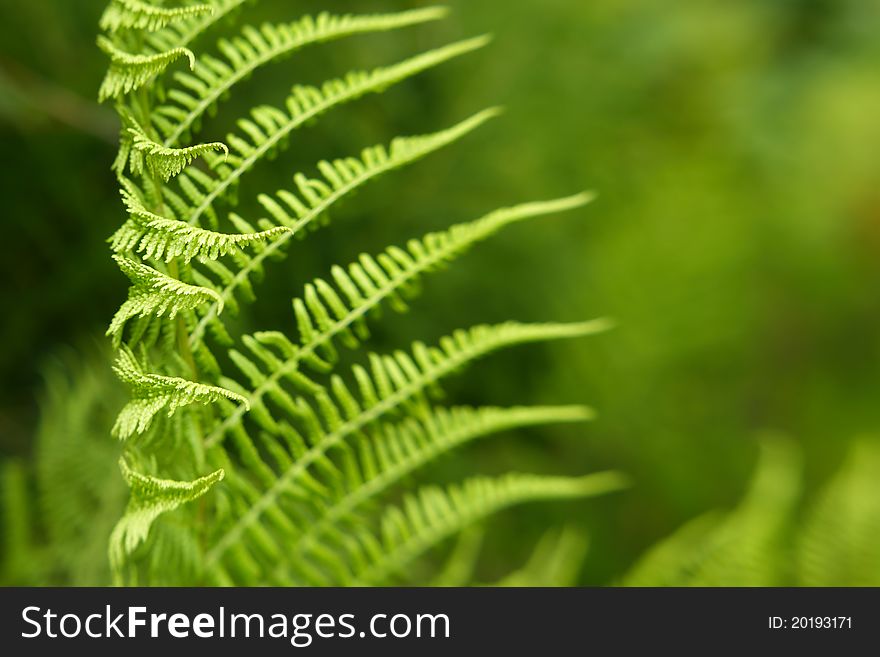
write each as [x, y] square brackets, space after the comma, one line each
[510, 418]
[182, 331]
[282, 48]
[383, 292]
[417, 64]
[173, 269]
[372, 414]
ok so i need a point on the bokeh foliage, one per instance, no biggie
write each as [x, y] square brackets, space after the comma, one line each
[735, 239]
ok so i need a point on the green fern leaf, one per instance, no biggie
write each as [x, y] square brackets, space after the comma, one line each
[432, 515]
[740, 548]
[166, 239]
[151, 393]
[212, 78]
[150, 498]
[142, 15]
[157, 294]
[840, 542]
[129, 72]
[168, 162]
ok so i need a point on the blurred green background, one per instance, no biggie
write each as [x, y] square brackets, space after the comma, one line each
[735, 240]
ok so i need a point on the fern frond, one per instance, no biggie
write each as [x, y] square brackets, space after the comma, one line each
[317, 195]
[304, 450]
[128, 72]
[269, 127]
[151, 393]
[397, 450]
[80, 492]
[427, 518]
[392, 383]
[327, 312]
[142, 15]
[740, 548]
[168, 162]
[840, 542]
[150, 498]
[165, 239]
[157, 294]
[212, 77]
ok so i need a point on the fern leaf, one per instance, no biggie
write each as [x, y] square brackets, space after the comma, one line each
[142, 15]
[327, 312]
[151, 393]
[269, 127]
[427, 518]
[128, 72]
[316, 196]
[840, 542]
[212, 78]
[165, 239]
[168, 162]
[393, 381]
[740, 548]
[150, 498]
[155, 293]
[397, 450]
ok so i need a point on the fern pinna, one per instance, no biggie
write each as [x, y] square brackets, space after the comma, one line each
[253, 459]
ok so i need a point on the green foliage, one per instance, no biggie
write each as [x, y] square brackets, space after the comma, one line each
[840, 542]
[763, 542]
[166, 239]
[304, 459]
[141, 14]
[738, 310]
[150, 498]
[212, 77]
[162, 160]
[743, 548]
[129, 72]
[156, 294]
[152, 393]
[58, 512]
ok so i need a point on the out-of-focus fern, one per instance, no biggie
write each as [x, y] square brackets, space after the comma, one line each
[254, 459]
[840, 544]
[767, 542]
[57, 516]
